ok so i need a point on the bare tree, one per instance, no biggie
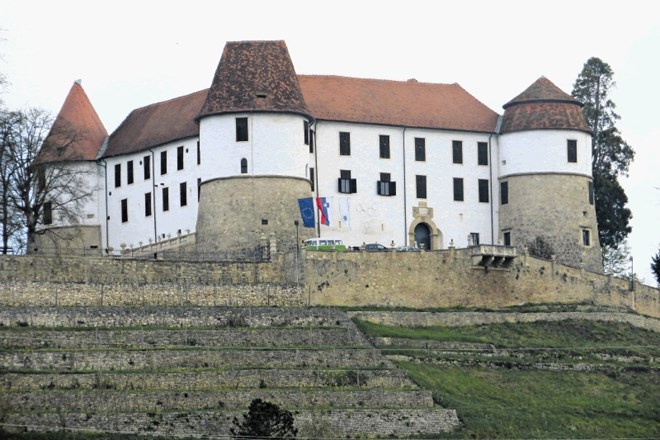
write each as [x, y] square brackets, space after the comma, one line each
[45, 185]
[9, 225]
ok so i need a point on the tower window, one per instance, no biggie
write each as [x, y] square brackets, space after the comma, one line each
[482, 153]
[117, 175]
[199, 188]
[241, 129]
[591, 193]
[179, 158]
[244, 169]
[306, 132]
[199, 154]
[420, 149]
[346, 184]
[48, 213]
[483, 191]
[124, 210]
[504, 193]
[457, 151]
[312, 177]
[420, 184]
[506, 235]
[384, 146]
[344, 143]
[586, 237]
[458, 189]
[571, 149]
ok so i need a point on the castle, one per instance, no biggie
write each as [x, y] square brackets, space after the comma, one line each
[263, 151]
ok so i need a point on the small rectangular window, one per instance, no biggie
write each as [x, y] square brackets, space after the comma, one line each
[591, 193]
[199, 188]
[163, 162]
[179, 158]
[385, 187]
[504, 193]
[146, 166]
[311, 177]
[457, 151]
[344, 143]
[129, 172]
[241, 129]
[306, 132]
[420, 149]
[482, 153]
[124, 210]
[571, 147]
[41, 179]
[166, 199]
[117, 175]
[384, 146]
[199, 154]
[420, 186]
[506, 235]
[48, 213]
[474, 239]
[183, 193]
[311, 142]
[483, 191]
[458, 189]
[586, 237]
[346, 184]
[147, 204]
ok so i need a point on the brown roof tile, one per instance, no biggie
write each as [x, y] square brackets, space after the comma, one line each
[157, 124]
[399, 103]
[255, 76]
[77, 132]
[543, 105]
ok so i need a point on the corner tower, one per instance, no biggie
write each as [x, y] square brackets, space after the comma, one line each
[546, 185]
[253, 130]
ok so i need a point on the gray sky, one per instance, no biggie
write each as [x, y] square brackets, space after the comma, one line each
[134, 53]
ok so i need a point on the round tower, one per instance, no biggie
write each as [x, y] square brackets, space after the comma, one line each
[546, 185]
[254, 143]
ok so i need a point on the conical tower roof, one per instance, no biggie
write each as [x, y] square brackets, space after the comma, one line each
[255, 76]
[543, 105]
[77, 133]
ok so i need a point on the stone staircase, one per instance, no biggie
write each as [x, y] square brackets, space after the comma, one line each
[188, 371]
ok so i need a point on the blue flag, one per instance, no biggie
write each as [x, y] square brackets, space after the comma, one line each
[307, 211]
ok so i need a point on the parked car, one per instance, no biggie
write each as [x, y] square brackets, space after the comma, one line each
[375, 247]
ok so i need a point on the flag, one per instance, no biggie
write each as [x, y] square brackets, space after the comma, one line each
[323, 206]
[307, 211]
[344, 211]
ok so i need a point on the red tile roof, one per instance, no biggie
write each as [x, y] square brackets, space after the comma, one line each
[543, 105]
[157, 124]
[399, 103]
[255, 76]
[77, 132]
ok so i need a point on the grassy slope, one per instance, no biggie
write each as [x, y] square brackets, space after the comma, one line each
[619, 401]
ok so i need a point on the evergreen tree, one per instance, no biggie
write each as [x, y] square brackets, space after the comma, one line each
[264, 420]
[612, 156]
[655, 266]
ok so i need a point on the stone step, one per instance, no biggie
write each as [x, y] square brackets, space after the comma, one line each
[147, 338]
[381, 423]
[145, 401]
[159, 360]
[210, 380]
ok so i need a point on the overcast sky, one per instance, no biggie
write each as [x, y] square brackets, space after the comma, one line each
[134, 53]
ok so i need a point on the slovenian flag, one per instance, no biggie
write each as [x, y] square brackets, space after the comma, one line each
[323, 205]
[306, 206]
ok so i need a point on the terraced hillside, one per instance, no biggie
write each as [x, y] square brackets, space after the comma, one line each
[189, 371]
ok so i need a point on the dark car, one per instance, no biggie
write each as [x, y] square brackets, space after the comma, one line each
[375, 247]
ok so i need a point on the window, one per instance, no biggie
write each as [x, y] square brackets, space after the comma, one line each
[48, 213]
[482, 153]
[117, 175]
[199, 188]
[124, 210]
[473, 239]
[163, 162]
[199, 154]
[306, 132]
[346, 184]
[384, 146]
[483, 191]
[183, 193]
[41, 179]
[420, 149]
[147, 204]
[344, 143]
[385, 187]
[129, 172]
[166, 199]
[458, 189]
[586, 237]
[504, 193]
[457, 151]
[244, 166]
[506, 235]
[591, 193]
[179, 158]
[420, 184]
[571, 147]
[146, 161]
[241, 129]
[312, 177]
[311, 141]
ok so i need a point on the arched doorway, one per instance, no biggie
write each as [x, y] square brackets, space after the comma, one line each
[423, 236]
